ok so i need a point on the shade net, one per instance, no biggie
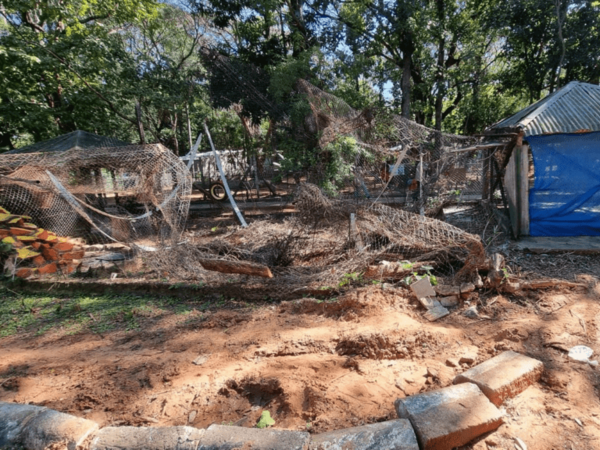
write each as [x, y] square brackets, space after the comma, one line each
[565, 197]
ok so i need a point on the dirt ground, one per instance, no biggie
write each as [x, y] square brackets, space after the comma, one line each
[316, 365]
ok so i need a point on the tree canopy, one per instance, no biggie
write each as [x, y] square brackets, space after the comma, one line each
[144, 70]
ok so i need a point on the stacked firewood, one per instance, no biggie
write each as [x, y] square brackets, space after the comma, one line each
[35, 251]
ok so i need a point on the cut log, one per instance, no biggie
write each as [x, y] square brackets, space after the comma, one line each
[550, 283]
[393, 270]
[241, 267]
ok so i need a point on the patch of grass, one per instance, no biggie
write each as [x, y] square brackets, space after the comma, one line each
[39, 314]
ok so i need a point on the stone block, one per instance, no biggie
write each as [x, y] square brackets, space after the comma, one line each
[503, 376]
[422, 288]
[445, 290]
[391, 435]
[222, 437]
[13, 419]
[51, 427]
[449, 417]
[435, 313]
[147, 438]
[449, 301]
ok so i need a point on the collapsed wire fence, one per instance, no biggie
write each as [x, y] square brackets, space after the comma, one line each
[392, 181]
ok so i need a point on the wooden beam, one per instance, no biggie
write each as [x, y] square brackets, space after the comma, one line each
[241, 267]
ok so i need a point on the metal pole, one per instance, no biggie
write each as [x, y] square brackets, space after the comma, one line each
[224, 180]
[422, 209]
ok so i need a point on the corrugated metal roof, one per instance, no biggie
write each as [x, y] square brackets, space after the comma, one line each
[76, 139]
[574, 107]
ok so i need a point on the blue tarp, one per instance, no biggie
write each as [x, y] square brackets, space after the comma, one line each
[565, 198]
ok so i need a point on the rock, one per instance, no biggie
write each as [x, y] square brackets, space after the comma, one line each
[503, 376]
[50, 427]
[452, 362]
[391, 435]
[469, 355]
[147, 438]
[471, 313]
[111, 257]
[468, 294]
[192, 415]
[466, 288]
[478, 281]
[447, 290]
[511, 288]
[450, 301]
[13, 419]
[200, 360]
[491, 441]
[449, 417]
[222, 437]
[400, 384]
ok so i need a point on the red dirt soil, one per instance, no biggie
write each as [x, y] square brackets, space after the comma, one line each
[318, 366]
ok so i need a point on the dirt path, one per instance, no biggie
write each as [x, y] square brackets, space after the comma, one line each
[315, 365]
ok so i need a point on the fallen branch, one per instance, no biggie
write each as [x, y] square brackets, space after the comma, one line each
[241, 267]
[393, 270]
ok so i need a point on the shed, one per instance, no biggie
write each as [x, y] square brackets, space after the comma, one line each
[552, 178]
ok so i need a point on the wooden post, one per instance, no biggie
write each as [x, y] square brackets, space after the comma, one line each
[524, 190]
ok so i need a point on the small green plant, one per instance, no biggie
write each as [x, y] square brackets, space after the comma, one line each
[265, 420]
[349, 278]
[214, 229]
[415, 276]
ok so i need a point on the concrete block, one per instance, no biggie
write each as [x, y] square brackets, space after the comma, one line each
[222, 437]
[422, 288]
[504, 376]
[449, 417]
[13, 419]
[51, 427]
[435, 313]
[147, 438]
[391, 435]
[449, 301]
[445, 290]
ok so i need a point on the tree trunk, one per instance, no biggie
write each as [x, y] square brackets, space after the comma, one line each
[140, 125]
[406, 63]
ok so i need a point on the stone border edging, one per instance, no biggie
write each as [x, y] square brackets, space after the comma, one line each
[425, 423]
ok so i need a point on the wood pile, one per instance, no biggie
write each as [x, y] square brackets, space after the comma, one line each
[35, 251]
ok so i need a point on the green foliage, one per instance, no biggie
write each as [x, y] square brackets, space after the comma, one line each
[265, 420]
[338, 158]
[350, 278]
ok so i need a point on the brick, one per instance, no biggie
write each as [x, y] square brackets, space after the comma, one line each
[36, 245]
[51, 427]
[48, 269]
[74, 255]
[449, 417]
[391, 435]
[20, 231]
[503, 376]
[50, 254]
[24, 272]
[63, 247]
[39, 261]
[13, 419]
[4, 233]
[222, 437]
[147, 438]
